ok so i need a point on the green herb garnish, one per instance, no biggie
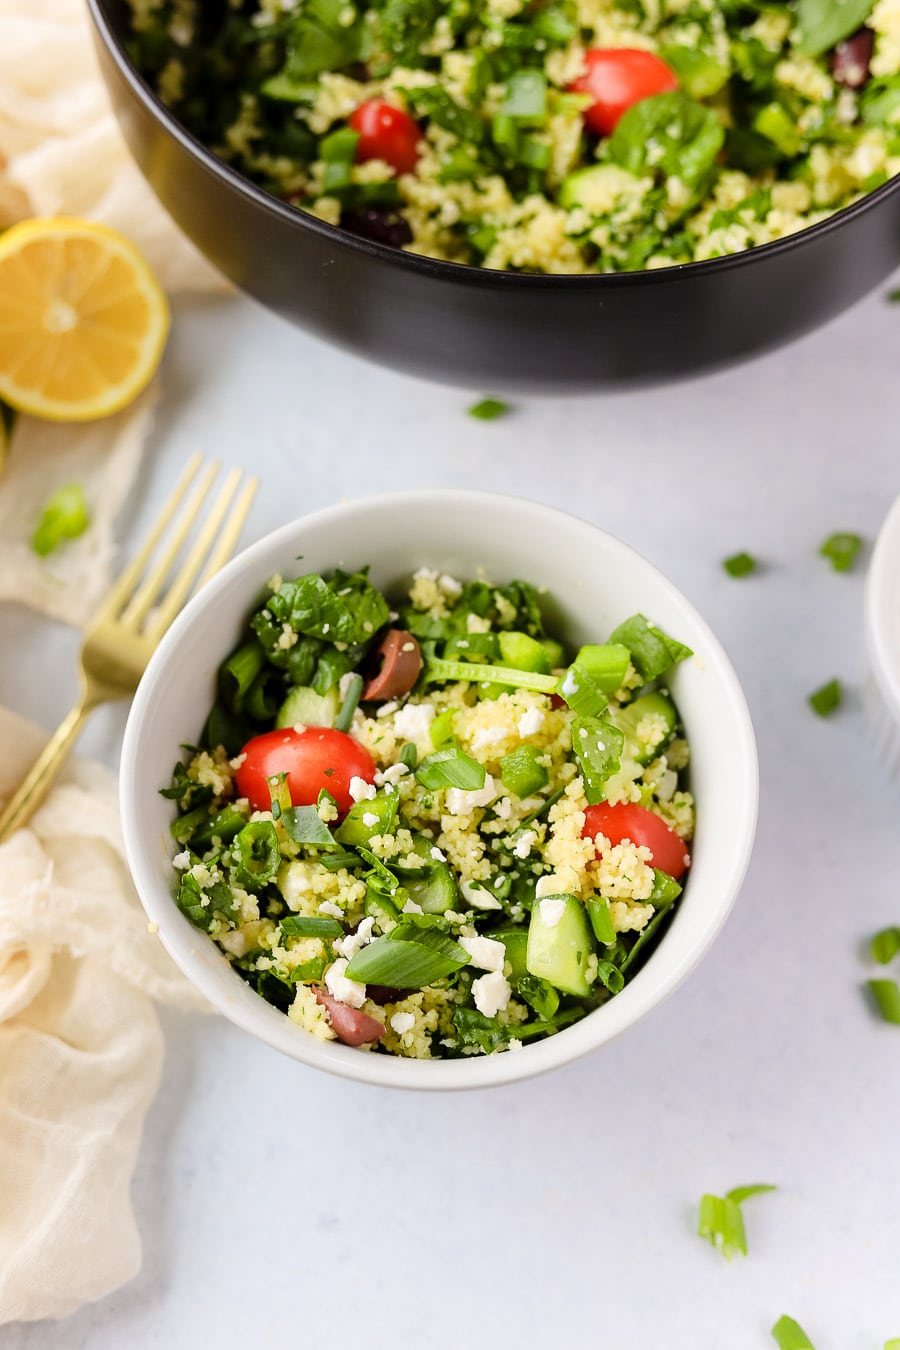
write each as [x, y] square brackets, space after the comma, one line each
[489, 409]
[740, 565]
[842, 550]
[790, 1335]
[408, 958]
[886, 994]
[307, 926]
[827, 699]
[721, 1222]
[65, 516]
[451, 768]
[885, 945]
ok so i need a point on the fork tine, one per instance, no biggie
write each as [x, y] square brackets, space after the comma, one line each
[182, 582]
[125, 584]
[144, 597]
[226, 541]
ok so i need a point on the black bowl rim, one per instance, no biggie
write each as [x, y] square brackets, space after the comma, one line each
[460, 273]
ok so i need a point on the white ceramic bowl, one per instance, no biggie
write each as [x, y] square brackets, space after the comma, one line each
[882, 627]
[594, 581]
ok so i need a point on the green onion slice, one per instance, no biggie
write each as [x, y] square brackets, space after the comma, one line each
[488, 409]
[842, 550]
[885, 945]
[257, 855]
[451, 768]
[350, 703]
[65, 516]
[408, 958]
[886, 994]
[439, 668]
[721, 1222]
[740, 565]
[306, 925]
[827, 699]
[789, 1335]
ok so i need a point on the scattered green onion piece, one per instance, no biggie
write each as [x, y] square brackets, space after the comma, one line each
[441, 730]
[307, 926]
[356, 829]
[304, 825]
[789, 1335]
[350, 703]
[653, 652]
[383, 875]
[827, 699]
[521, 771]
[237, 674]
[409, 756]
[893, 1344]
[601, 921]
[340, 858]
[610, 976]
[666, 890]
[740, 565]
[308, 972]
[842, 550]
[439, 668]
[581, 692]
[257, 856]
[539, 994]
[451, 768]
[199, 828]
[885, 945]
[721, 1222]
[409, 958]
[488, 409]
[886, 994]
[65, 516]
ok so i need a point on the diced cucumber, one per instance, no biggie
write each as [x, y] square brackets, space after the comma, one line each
[629, 718]
[436, 892]
[521, 772]
[303, 707]
[555, 652]
[423, 862]
[523, 653]
[355, 829]
[515, 940]
[606, 663]
[561, 951]
[441, 729]
[595, 188]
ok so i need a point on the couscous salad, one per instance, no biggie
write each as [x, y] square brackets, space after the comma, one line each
[431, 831]
[571, 136]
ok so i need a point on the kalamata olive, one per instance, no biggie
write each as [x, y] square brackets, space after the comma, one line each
[850, 62]
[401, 663]
[384, 227]
[381, 994]
[349, 1024]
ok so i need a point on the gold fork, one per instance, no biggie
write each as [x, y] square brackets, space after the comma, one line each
[137, 611]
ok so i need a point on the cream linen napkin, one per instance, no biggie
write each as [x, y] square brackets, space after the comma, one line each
[80, 1044]
[61, 153]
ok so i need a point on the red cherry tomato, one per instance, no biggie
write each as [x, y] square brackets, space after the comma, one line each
[313, 759]
[616, 79]
[627, 820]
[387, 133]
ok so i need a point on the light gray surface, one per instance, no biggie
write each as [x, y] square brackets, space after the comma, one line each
[282, 1208]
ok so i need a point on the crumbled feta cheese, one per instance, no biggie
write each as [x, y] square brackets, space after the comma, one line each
[402, 1022]
[348, 946]
[370, 818]
[438, 855]
[182, 860]
[412, 908]
[237, 761]
[551, 909]
[486, 736]
[360, 790]
[531, 722]
[392, 774]
[484, 952]
[478, 897]
[524, 843]
[503, 808]
[287, 639]
[450, 586]
[329, 907]
[344, 990]
[462, 803]
[413, 720]
[388, 708]
[491, 993]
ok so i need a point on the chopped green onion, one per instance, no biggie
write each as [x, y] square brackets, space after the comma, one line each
[740, 565]
[441, 730]
[526, 96]
[306, 926]
[308, 972]
[488, 409]
[409, 756]
[597, 746]
[440, 669]
[522, 772]
[199, 828]
[721, 1222]
[539, 994]
[408, 958]
[257, 856]
[601, 921]
[827, 699]
[522, 652]
[451, 768]
[383, 875]
[340, 858]
[841, 550]
[544, 807]
[65, 516]
[581, 693]
[606, 664]
[653, 652]
[350, 703]
[610, 976]
[886, 994]
[237, 674]
[190, 898]
[885, 945]
[372, 815]
[304, 825]
[665, 891]
[893, 1344]
[789, 1335]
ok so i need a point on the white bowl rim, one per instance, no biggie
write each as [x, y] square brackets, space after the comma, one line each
[265, 1022]
[882, 628]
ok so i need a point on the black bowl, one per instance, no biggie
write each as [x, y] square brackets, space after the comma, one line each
[495, 330]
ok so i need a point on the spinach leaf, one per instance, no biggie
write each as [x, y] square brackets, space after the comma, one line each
[190, 899]
[825, 23]
[318, 41]
[653, 652]
[597, 746]
[405, 27]
[434, 103]
[346, 609]
[669, 134]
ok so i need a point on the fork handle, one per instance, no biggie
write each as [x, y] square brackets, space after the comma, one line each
[29, 795]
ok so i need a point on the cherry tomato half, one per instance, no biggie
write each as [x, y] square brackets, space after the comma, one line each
[616, 79]
[313, 759]
[387, 133]
[627, 820]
